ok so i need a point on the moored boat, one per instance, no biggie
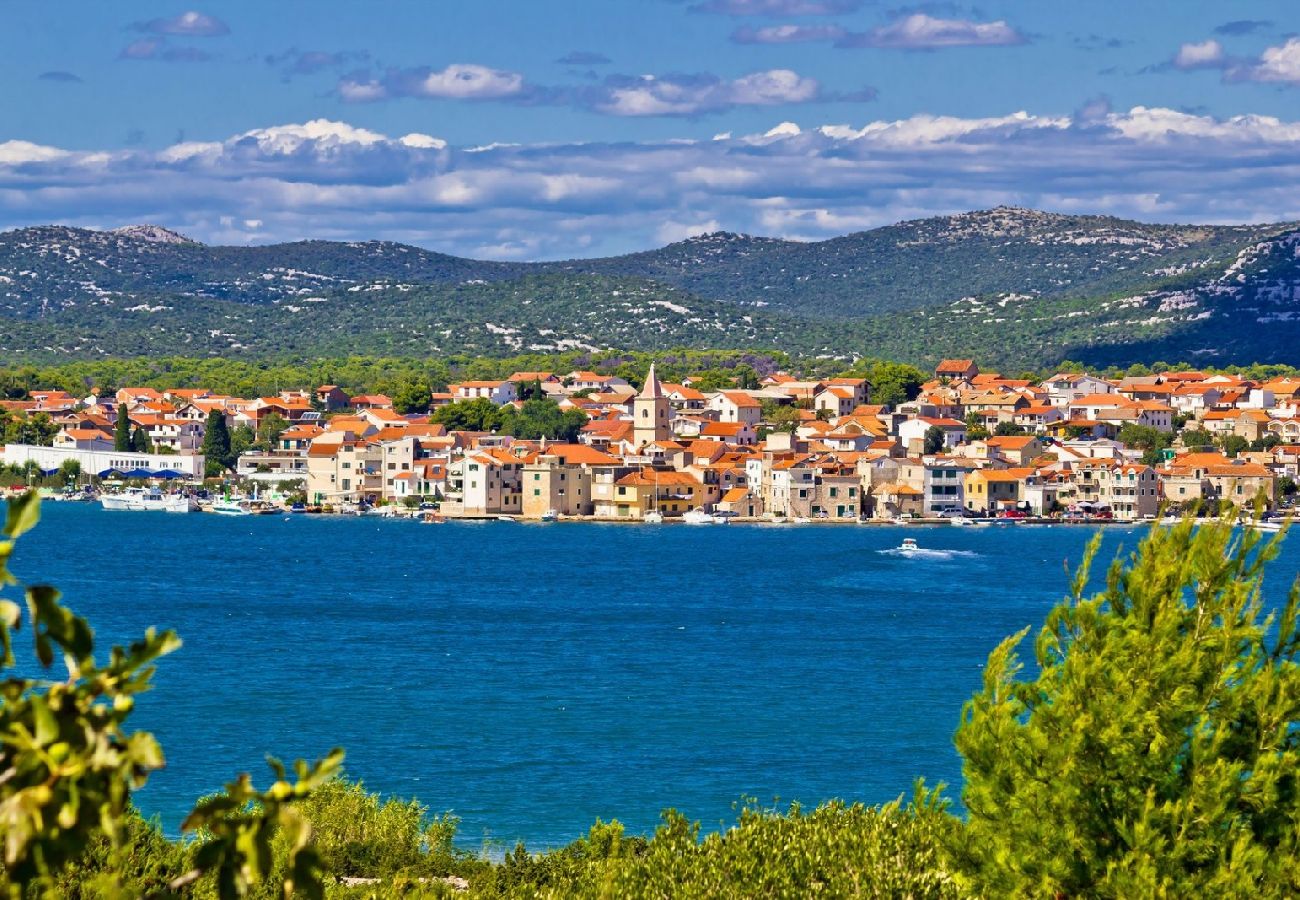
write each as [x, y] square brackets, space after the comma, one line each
[698, 516]
[228, 506]
[139, 499]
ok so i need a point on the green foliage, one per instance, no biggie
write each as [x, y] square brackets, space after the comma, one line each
[269, 430]
[537, 419]
[1197, 437]
[1155, 752]
[69, 762]
[216, 442]
[837, 850]
[1233, 444]
[1009, 429]
[122, 430]
[238, 831]
[935, 440]
[412, 397]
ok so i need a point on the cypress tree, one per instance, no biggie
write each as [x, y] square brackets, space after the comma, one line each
[122, 431]
[137, 440]
[216, 438]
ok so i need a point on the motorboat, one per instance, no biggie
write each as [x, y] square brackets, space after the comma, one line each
[139, 499]
[909, 546]
[228, 506]
[800, 520]
[504, 518]
[698, 516]
[960, 521]
[723, 518]
[550, 515]
[653, 517]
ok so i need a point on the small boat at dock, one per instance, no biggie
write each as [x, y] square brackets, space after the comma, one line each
[138, 499]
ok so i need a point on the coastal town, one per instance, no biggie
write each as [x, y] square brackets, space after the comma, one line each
[970, 444]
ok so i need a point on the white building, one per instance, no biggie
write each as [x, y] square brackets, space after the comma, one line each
[96, 462]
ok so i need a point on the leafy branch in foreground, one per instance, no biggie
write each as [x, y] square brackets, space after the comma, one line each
[1156, 753]
[68, 764]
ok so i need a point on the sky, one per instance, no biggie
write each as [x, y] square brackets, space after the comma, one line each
[549, 129]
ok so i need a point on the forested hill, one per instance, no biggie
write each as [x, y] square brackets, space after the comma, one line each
[1013, 285]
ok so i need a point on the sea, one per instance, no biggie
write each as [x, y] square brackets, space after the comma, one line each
[530, 678]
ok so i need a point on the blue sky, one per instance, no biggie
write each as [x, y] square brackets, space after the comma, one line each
[528, 129]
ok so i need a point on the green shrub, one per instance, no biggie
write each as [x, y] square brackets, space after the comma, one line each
[1156, 753]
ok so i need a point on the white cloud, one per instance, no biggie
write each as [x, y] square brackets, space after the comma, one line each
[17, 153]
[423, 141]
[688, 95]
[458, 81]
[466, 81]
[1205, 55]
[189, 24]
[331, 179]
[919, 31]
[671, 232]
[787, 34]
[1278, 64]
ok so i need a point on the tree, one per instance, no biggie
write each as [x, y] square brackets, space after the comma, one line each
[122, 430]
[1197, 437]
[70, 470]
[544, 418]
[935, 440]
[216, 441]
[781, 416]
[1286, 486]
[269, 430]
[412, 397]
[894, 383]
[479, 414]
[241, 441]
[975, 430]
[1009, 429]
[140, 442]
[71, 764]
[1233, 444]
[1154, 751]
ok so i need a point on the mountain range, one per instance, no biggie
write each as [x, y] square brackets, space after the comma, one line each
[1013, 287]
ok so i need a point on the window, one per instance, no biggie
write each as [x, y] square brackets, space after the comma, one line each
[537, 492]
[537, 476]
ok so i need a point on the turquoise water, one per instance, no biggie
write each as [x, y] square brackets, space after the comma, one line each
[533, 677]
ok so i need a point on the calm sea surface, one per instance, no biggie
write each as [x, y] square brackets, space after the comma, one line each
[533, 677]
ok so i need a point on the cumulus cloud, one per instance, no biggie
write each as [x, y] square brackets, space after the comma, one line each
[920, 31]
[458, 81]
[330, 179]
[787, 34]
[188, 24]
[690, 95]
[1275, 65]
[778, 7]
[673, 94]
[1278, 65]
[1204, 55]
[65, 77]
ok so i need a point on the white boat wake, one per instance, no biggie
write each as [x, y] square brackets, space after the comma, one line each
[924, 553]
